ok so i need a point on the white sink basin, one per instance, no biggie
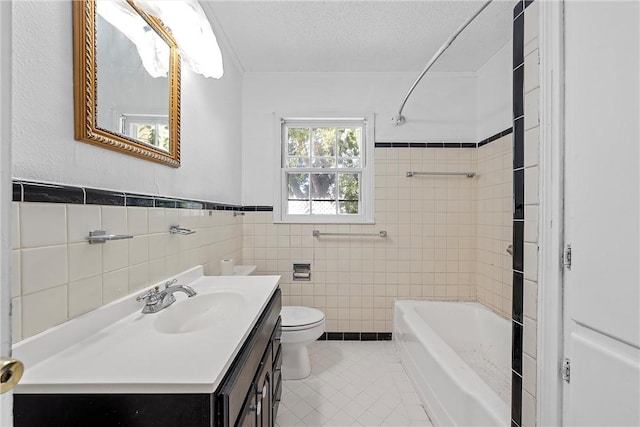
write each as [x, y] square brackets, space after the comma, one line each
[199, 312]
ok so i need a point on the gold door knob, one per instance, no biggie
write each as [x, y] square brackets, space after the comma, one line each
[10, 373]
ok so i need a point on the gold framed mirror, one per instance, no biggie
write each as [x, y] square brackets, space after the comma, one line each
[126, 81]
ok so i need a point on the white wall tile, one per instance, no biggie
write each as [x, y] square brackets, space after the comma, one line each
[85, 295]
[85, 260]
[531, 223]
[114, 219]
[529, 337]
[530, 299]
[137, 221]
[138, 250]
[42, 224]
[115, 255]
[81, 219]
[157, 221]
[531, 22]
[157, 246]
[531, 186]
[157, 271]
[43, 310]
[531, 74]
[528, 410]
[139, 277]
[531, 147]
[115, 285]
[16, 319]
[529, 374]
[531, 109]
[15, 273]
[530, 261]
[15, 225]
[171, 218]
[43, 268]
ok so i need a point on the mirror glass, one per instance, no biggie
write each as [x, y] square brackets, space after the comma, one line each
[127, 81]
[131, 100]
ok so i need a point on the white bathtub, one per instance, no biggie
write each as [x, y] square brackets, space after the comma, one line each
[458, 355]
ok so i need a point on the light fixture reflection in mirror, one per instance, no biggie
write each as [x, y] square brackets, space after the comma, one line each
[136, 61]
[126, 81]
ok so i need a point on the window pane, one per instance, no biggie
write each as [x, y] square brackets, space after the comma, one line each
[324, 162]
[327, 207]
[298, 162]
[323, 193]
[348, 162]
[349, 186]
[298, 184]
[349, 142]
[298, 207]
[324, 142]
[323, 186]
[144, 132]
[298, 141]
[348, 208]
[163, 136]
[298, 193]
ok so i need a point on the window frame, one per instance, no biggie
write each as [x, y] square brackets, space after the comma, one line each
[366, 171]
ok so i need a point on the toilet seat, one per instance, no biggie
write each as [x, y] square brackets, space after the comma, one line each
[296, 318]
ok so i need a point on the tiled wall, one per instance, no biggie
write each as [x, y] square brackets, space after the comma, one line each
[430, 251]
[525, 218]
[531, 200]
[494, 222]
[58, 275]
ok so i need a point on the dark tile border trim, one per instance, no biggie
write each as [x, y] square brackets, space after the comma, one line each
[495, 137]
[444, 144]
[518, 212]
[32, 191]
[356, 336]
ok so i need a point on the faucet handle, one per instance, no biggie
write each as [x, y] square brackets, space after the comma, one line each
[170, 282]
[149, 294]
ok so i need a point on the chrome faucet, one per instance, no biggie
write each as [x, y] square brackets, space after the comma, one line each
[156, 299]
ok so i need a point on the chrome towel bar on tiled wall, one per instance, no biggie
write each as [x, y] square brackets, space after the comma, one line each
[467, 174]
[382, 233]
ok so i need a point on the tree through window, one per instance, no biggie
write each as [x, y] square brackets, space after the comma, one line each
[324, 168]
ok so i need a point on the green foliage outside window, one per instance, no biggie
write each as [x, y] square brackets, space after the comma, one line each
[330, 189]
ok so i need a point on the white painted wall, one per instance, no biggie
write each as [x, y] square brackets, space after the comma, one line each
[442, 108]
[495, 89]
[43, 144]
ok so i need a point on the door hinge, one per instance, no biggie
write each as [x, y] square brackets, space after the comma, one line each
[566, 369]
[566, 256]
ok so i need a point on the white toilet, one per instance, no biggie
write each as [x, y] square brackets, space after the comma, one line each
[300, 327]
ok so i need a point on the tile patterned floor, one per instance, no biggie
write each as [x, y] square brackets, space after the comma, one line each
[352, 383]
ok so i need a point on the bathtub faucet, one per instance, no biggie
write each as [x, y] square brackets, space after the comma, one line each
[156, 300]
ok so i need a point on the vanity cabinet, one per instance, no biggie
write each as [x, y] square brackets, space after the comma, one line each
[247, 396]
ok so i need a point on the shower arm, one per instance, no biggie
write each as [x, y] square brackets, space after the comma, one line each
[399, 119]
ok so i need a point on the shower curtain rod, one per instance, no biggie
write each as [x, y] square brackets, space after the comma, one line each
[399, 119]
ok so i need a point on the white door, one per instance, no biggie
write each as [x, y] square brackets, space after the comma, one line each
[5, 197]
[602, 216]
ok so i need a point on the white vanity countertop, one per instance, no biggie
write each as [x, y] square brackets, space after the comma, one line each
[97, 353]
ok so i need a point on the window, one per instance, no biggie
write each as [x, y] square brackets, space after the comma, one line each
[148, 128]
[326, 172]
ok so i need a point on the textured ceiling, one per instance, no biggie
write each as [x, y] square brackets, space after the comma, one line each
[365, 35]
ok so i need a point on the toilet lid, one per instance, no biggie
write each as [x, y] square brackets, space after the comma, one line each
[300, 316]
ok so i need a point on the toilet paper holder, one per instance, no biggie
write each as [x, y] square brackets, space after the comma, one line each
[302, 272]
